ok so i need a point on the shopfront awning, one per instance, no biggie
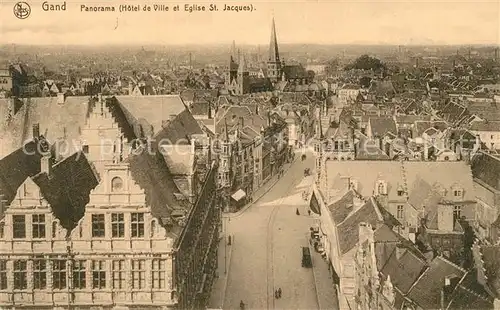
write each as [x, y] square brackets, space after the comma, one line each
[314, 204]
[240, 194]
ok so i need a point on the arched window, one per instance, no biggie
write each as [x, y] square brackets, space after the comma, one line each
[116, 184]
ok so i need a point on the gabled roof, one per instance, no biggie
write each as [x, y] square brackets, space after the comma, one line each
[57, 121]
[151, 110]
[348, 230]
[151, 173]
[380, 126]
[404, 267]
[366, 173]
[67, 188]
[426, 292]
[486, 168]
[341, 208]
[485, 126]
[16, 167]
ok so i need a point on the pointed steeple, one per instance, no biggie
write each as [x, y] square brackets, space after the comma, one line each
[274, 55]
[233, 51]
[243, 66]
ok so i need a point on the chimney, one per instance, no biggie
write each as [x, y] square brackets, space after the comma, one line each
[171, 117]
[36, 131]
[60, 98]
[45, 163]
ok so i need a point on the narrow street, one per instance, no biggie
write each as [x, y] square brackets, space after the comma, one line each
[266, 249]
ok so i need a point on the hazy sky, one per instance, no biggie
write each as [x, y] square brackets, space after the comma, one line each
[323, 22]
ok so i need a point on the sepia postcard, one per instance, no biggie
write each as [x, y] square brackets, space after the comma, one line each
[239, 154]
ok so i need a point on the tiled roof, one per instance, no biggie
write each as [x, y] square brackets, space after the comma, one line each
[57, 121]
[369, 150]
[382, 125]
[470, 295]
[341, 208]
[151, 110]
[485, 126]
[411, 119]
[422, 126]
[15, 168]
[486, 168]
[348, 230]
[151, 173]
[178, 131]
[366, 173]
[67, 188]
[405, 269]
[484, 110]
[491, 261]
[294, 72]
[426, 291]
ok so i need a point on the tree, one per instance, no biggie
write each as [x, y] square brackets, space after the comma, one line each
[365, 81]
[365, 62]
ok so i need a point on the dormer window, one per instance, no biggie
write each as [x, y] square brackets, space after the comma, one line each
[401, 191]
[382, 188]
[116, 184]
[457, 193]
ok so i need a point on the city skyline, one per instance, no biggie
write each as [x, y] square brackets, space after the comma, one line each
[297, 22]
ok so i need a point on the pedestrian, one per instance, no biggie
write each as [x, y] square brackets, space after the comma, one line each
[276, 295]
[297, 211]
[279, 292]
[309, 211]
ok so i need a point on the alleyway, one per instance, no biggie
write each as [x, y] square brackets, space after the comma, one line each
[266, 251]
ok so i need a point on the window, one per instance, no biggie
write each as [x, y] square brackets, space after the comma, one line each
[98, 225]
[137, 223]
[98, 274]
[457, 193]
[79, 274]
[38, 225]
[39, 274]
[400, 212]
[59, 274]
[20, 275]
[119, 274]
[54, 229]
[381, 188]
[401, 192]
[85, 149]
[457, 213]
[19, 226]
[138, 274]
[2, 228]
[3, 274]
[117, 225]
[116, 184]
[158, 273]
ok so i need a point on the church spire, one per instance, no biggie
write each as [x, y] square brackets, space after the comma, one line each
[274, 55]
[233, 51]
[242, 66]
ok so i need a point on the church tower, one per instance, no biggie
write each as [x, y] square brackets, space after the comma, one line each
[242, 78]
[233, 66]
[274, 65]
